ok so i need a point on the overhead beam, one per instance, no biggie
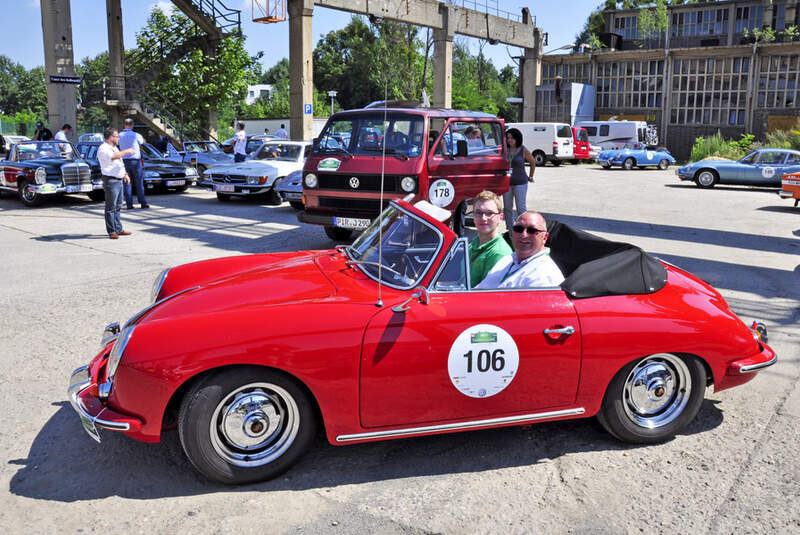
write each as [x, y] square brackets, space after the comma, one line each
[427, 13]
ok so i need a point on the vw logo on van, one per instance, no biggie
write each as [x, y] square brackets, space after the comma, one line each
[354, 182]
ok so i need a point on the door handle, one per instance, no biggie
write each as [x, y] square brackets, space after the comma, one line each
[557, 333]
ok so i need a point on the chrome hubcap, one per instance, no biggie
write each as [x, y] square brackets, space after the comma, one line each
[706, 179]
[255, 424]
[657, 390]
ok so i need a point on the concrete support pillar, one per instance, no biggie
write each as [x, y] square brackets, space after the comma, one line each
[530, 75]
[666, 101]
[59, 60]
[731, 23]
[116, 53]
[443, 60]
[301, 69]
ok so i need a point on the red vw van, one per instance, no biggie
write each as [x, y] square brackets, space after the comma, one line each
[440, 155]
[581, 137]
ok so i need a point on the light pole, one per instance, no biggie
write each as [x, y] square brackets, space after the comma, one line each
[332, 94]
[565, 47]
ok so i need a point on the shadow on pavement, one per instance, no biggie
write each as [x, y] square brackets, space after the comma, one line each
[65, 465]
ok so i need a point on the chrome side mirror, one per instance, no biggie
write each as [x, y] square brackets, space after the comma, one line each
[421, 294]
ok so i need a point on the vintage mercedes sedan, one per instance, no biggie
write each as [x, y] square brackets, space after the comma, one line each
[763, 167]
[199, 154]
[37, 169]
[249, 356]
[636, 155]
[260, 173]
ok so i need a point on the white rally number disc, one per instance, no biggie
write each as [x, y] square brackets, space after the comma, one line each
[483, 361]
[649, 155]
[441, 193]
[768, 172]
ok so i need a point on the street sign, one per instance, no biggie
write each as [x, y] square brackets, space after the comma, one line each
[60, 79]
[307, 109]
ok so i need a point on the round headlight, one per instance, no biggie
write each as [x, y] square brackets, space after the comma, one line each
[310, 180]
[41, 175]
[191, 171]
[157, 285]
[408, 184]
[117, 351]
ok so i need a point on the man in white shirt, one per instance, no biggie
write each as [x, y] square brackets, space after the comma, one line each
[281, 133]
[114, 175]
[240, 144]
[530, 266]
[61, 135]
[128, 139]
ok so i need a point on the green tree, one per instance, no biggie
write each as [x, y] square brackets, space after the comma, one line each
[22, 89]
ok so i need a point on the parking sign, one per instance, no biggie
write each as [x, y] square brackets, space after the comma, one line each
[307, 109]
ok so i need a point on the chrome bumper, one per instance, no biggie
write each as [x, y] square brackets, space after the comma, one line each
[52, 189]
[80, 381]
[242, 189]
[786, 194]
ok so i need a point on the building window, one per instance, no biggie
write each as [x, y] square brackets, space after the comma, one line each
[778, 82]
[709, 91]
[569, 72]
[703, 22]
[630, 84]
[626, 27]
[748, 18]
[779, 17]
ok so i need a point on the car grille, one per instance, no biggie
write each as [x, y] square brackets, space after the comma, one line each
[171, 174]
[227, 179]
[354, 206]
[74, 174]
[341, 182]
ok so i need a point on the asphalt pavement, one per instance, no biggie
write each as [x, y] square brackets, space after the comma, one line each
[734, 469]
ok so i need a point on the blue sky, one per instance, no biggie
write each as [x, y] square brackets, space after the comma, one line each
[22, 29]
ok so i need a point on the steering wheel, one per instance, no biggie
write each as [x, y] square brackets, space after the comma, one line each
[408, 268]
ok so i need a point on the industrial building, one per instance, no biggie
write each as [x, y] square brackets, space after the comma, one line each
[704, 74]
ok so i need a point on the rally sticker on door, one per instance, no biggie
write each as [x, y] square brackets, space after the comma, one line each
[329, 164]
[649, 155]
[441, 193]
[483, 361]
[768, 172]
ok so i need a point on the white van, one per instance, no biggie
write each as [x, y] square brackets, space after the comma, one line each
[616, 134]
[548, 142]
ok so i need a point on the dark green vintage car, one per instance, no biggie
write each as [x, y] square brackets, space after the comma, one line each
[37, 169]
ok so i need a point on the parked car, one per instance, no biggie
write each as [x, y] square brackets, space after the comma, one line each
[157, 172]
[37, 169]
[7, 140]
[94, 136]
[253, 142]
[547, 142]
[426, 154]
[291, 189]
[581, 150]
[199, 154]
[248, 356]
[790, 187]
[763, 167]
[259, 174]
[636, 155]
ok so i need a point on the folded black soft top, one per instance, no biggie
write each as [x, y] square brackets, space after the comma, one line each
[594, 266]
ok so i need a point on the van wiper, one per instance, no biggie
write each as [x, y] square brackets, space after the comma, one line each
[393, 152]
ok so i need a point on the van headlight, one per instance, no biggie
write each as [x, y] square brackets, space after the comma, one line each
[157, 284]
[310, 180]
[408, 184]
[41, 175]
[117, 351]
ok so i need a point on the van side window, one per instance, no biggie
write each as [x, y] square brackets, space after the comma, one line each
[603, 129]
[436, 127]
[591, 130]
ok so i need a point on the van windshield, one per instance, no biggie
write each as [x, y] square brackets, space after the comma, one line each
[582, 135]
[371, 134]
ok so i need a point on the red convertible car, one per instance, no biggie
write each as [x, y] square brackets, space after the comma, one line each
[247, 356]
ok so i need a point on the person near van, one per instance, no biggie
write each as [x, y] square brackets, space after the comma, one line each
[240, 144]
[489, 246]
[518, 184]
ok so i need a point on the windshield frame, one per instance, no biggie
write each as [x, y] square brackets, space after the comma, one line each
[392, 204]
[373, 116]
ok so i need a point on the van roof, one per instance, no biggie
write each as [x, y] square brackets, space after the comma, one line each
[430, 112]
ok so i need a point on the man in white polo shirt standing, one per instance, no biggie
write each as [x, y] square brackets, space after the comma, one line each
[114, 175]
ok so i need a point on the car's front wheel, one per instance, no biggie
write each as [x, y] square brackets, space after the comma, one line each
[663, 164]
[338, 234]
[297, 205]
[651, 399]
[28, 197]
[628, 164]
[97, 195]
[556, 163]
[706, 179]
[223, 197]
[247, 424]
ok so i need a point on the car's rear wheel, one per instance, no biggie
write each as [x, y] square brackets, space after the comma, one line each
[28, 197]
[338, 234]
[663, 164]
[628, 164]
[297, 205]
[539, 158]
[97, 195]
[706, 179]
[243, 425]
[651, 399]
[556, 163]
[223, 197]
[272, 197]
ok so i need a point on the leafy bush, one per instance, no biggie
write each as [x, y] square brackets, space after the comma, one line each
[718, 147]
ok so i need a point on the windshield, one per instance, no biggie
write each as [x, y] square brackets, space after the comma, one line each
[201, 146]
[409, 246]
[582, 135]
[366, 134]
[32, 150]
[150, 151]
[279, 151]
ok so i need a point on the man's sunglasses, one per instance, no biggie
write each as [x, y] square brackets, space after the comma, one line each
[533, 231]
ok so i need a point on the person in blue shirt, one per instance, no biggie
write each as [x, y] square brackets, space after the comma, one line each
[128, 139]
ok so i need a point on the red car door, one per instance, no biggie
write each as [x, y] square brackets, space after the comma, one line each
[467, 355]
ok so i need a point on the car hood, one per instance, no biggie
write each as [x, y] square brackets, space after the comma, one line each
[53, 164]
[245, 283]
[283, 167]
[216, 156]
[251, 168]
